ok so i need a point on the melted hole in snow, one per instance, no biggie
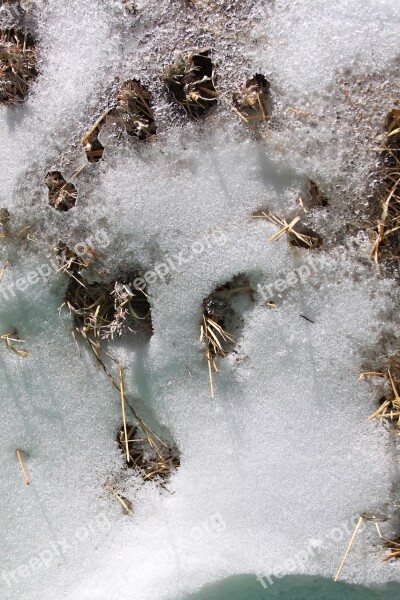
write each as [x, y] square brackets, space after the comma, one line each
[133, 111]
[311, 196]
[190, 80]
[253, 100]
[222, 321]
[107, 310]
[143, 451]
[129, 6]
[62, 194]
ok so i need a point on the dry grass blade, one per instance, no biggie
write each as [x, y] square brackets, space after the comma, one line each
[349, 547]
[288, 229]
[10, 337]
[21, 464]
[125, 503]
[3, 270]
[370, 374]
[121, 382]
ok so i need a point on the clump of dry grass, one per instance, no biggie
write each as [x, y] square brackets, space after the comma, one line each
[394, 547]
[389, 409]
[17, 66]
[297, 234]
[62, 194]
[252, 101]
[147, 454]
[191, 80]
[106, 310]
[134, 111]
[387, 242]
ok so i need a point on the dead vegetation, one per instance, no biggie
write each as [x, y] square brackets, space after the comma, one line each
[217, 312]
[148, 455]
[4, 223]
[312, 197]
[62, 194]
[17, 66]
[10, 340]
[106, 310]
[389, 409]
[93, 147]
[388, 414]
[26, 233]
[22, 466]
[191, 82]
[297, 234]
[102, 312]
[386, 246]
[133, 110]
[375, 519]
[129, 6]
[394, 549]
[253, 100]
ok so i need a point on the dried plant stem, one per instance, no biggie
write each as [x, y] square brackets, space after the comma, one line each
[123, 503]
[21, 464]
[121, 383]
[4, 270]
[95, 126]
[349, 547]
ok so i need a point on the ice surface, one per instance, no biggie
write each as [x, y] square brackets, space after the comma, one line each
[283, 454]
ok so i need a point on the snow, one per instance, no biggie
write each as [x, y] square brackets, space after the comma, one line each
[284, 454]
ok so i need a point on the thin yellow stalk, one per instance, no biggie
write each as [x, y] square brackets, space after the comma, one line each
[95, 126]
[353, 537]
[121, 384]
[4, 269]
[21, 464]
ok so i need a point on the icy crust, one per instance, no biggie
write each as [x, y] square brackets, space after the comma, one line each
[279, 459]
[284, 454]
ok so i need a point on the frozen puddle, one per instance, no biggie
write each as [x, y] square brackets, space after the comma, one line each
[292, 588]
